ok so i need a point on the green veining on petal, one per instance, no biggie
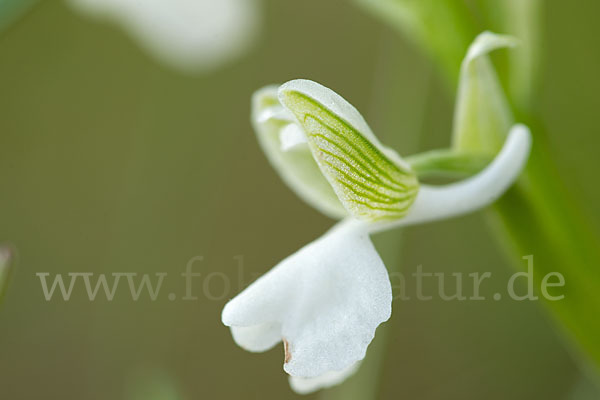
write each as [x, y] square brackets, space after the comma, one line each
[367, 182]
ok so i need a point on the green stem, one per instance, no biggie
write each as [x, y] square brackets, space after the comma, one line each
[539, 217]
[446, 49]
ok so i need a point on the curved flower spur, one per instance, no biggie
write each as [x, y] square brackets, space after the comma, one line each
[326, 300]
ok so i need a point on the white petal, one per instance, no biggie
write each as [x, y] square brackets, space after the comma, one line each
[440, 202]
[327, 380]
[188, 34]
[275, 112]
[291, 136]
[297, 168]
[328, 299]
[257, 338]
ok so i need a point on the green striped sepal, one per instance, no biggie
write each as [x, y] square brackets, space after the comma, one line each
[371, 181]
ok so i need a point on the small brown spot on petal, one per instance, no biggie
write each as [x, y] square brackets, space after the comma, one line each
[286, 349]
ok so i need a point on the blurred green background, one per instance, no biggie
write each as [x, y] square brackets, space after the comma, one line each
[110, 162]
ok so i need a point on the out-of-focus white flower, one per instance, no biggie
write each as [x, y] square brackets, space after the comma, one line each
[6, 258]
[187, 34]
[326, 300]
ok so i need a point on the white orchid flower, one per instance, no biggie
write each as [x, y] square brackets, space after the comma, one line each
[189, 35]
[326, 300]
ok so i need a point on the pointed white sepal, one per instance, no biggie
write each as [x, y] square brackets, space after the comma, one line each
[482, 116]
[324, 302]
[485, 43]
[441, 202]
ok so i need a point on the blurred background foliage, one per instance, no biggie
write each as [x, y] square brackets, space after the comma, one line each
[110, 162]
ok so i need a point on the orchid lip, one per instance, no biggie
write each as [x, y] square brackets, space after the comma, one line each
[324, 302]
